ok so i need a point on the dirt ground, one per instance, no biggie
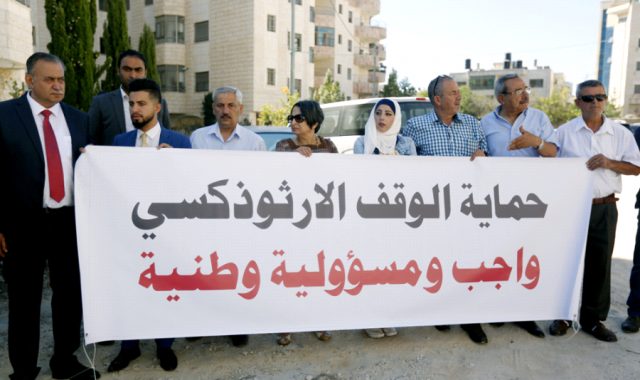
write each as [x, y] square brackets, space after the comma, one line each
[415, 353]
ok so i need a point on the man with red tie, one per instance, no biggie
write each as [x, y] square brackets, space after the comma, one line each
[40, 141]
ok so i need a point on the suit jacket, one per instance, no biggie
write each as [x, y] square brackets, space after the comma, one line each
[107, 117]
[637, 137]
[175, 139]
[22, 159]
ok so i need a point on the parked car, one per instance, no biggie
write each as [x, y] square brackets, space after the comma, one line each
[271, 135]
[344, 121]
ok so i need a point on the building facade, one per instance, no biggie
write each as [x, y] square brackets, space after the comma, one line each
[205, 44]
[16, 44]
[618, 59]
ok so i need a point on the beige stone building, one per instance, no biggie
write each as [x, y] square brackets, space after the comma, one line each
[204, 44]
[16, 44]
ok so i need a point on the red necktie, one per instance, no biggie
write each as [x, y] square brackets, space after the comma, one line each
[54, 165]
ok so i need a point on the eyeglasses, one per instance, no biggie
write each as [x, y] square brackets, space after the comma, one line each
[589, 98]
[519, 91]
[298, 118]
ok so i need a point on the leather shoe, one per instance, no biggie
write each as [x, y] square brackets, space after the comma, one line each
[168, 359]
[239, 340]
[601, 333]
[122, 360]
[559, 327]
[443, 328]
[76, 371]
[631, 324]
[531, 327]
[475, 333]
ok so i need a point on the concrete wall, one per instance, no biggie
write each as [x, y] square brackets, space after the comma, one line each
[16, 44]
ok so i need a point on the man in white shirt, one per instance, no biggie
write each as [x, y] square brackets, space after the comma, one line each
[226, 134]
[611, 151]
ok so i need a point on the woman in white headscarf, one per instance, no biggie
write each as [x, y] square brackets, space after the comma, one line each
[381, 137]
[381, 133]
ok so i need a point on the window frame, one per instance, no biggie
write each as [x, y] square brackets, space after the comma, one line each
[271, 23]
[200, 87]
[195, 32]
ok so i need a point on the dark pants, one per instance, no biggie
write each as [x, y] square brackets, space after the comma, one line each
[634, 281]
[160, 343]
[48, 238]
[596, 285]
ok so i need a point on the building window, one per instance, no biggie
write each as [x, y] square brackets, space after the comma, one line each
[460, 84]
[148, 2]
[102, 5]
[339, 69]
[202, 31]
[340, 8]
[348, 98]
[636, 89]
[170, 29]
[128, 4]
[349, 74]
[298, 85]
[298, 2]
[339, 39]
[298, 41]
[485, 82]
[202, 82]
[103, 50]
[33, 35]
[271, 23]
[637, 63]
[312, 14]
[172, 78]
[623, 19]
[349, 45]
[350, 16]
[324, 36]
[271, 77]
[311, 58]
[536, 83]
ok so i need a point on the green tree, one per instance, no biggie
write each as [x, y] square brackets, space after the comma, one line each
[207, 109]
[116, 39]
[475, 104]
[72, 26]
[16, 91]
[277, 116]
[406, 88]
[329, 92]
[422, 93]
[558, 106]
[147, 47]
[611, 110]
[392, 89]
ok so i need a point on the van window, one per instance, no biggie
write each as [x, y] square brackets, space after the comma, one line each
[354, 118]
[330, 124]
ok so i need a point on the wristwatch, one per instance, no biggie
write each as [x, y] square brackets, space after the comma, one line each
[541, 145]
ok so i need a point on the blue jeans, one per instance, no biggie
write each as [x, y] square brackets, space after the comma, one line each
[634, 281]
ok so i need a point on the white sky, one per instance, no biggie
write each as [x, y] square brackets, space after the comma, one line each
[426, 38]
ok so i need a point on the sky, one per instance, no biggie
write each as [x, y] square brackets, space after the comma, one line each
[427, 38]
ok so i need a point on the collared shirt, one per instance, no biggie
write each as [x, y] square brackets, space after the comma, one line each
[241, 139]
[127, 114]
[404, 146]
[63, 139]
[434, 138]
[612, 140]
[499, 132]
[153, 137]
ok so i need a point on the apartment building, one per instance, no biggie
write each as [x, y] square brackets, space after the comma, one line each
[541, 79]
[618, 59]
[16, 44]
[205, 44]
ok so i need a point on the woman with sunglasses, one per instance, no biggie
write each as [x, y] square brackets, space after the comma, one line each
[381, 137]
[305, 119]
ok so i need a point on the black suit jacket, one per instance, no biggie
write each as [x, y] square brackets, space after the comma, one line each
[107, 117]
[22, 160]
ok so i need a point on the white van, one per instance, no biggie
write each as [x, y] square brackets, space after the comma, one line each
[344, 121]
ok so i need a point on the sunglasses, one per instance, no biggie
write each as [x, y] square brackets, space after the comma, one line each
[438, 80]
[298, 118]
[589, 98]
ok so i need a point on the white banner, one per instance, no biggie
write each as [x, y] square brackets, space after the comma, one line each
[178, 243]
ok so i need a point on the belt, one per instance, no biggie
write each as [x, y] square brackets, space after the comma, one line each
[607, 199]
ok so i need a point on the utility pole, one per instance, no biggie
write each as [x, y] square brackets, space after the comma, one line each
[375, 71]
[292, 77]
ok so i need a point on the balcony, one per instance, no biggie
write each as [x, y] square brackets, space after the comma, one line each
[372, 33]
[380, 75]
[368, 8]
[366, 57]
[323, 52]
[362, 87]
[325, 20]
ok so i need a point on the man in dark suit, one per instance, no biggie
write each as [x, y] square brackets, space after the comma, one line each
[632, 323]
[109, 113]
[40, 141]
[144, 105]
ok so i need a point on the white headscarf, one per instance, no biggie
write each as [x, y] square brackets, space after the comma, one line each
[385, 142]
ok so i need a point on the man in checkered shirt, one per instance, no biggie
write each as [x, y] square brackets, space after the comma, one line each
[445, 132]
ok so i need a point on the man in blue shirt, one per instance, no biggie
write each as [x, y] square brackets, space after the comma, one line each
[515, 130]
[446, 132]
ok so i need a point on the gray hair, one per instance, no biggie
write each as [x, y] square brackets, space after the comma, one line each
[434, 90]
[501, 86]
[227, 90]
[589, 83]
[36, 57]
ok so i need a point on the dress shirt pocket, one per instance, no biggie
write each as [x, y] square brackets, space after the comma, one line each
[65, 146]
